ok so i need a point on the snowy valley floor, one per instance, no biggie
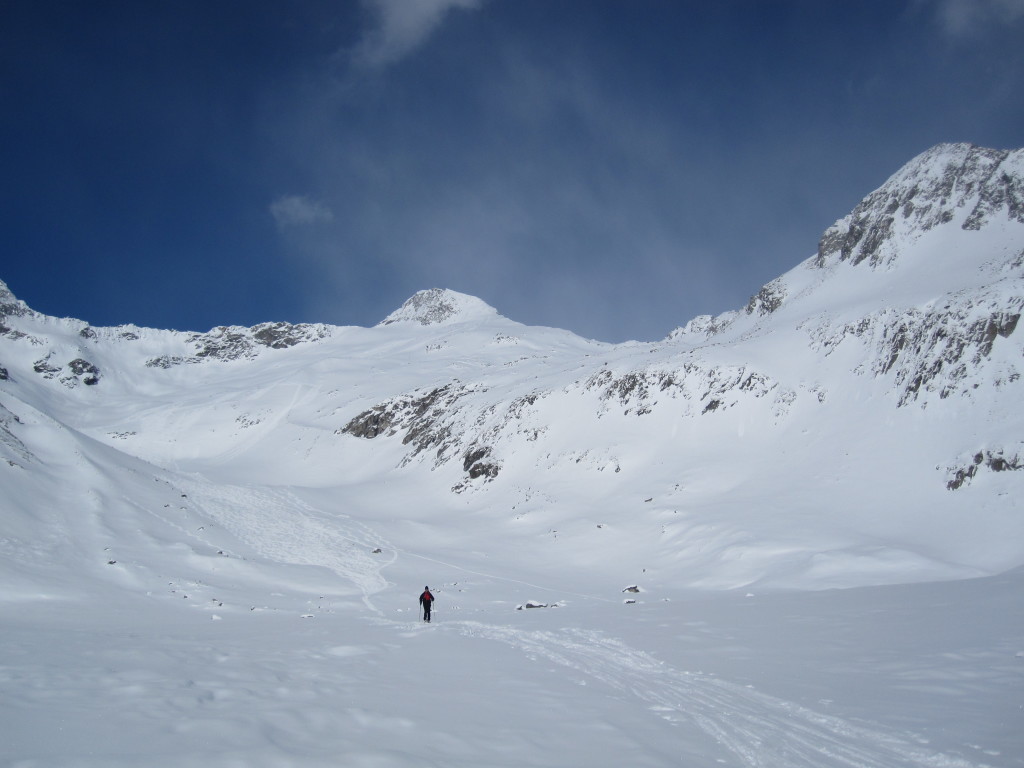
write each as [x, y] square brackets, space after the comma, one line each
[257, 674]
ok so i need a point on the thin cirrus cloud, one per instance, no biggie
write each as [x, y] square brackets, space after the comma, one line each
[291, 211]
[401, 27]
[559, 187]
[962, 18]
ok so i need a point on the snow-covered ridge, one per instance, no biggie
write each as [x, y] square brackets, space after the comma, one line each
[238, 343]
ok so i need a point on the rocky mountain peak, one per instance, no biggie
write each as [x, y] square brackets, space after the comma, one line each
[10, 305]
[950, 183]
[438, 306]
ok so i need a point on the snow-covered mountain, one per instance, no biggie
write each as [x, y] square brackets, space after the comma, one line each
[858, 423]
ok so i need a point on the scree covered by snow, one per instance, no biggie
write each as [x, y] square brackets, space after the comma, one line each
[790, 536]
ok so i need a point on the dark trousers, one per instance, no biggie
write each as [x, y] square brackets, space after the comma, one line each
[426, 610]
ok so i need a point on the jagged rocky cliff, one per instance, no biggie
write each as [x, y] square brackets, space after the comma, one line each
[958, 184]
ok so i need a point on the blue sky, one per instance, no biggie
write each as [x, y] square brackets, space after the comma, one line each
[613, 168]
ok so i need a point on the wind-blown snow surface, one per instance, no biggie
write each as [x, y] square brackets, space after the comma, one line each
[212, 544]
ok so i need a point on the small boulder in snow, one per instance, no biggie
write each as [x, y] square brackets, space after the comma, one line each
[535, 604]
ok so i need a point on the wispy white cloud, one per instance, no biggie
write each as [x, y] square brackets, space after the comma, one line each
[401, 27]
[556, 187]
[963, 18]
[296, 211]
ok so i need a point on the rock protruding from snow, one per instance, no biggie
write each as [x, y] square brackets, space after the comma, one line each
[236, 343]
[768, 299]
[995, 460]
[12, 450]
[949, 183]
[440, 306]
[704, 327]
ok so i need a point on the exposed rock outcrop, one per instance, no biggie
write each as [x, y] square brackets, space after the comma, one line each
[227, 343]
[931, 351]
[994, 460]
[947, 182]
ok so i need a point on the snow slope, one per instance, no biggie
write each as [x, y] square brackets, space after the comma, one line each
[789, 535]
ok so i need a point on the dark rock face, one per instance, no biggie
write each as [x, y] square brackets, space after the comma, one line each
[475, 466]
[223, 344]
[437, 421]
[369, 424]
[78, 370]
[997, 460]
[46, 368]
[426, 419]
[767, 300]
[928, 192]
[168, 361]
[284, 335]
[4, 376]
[121, 332]
[86, 371]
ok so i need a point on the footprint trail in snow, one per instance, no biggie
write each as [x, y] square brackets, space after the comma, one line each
[754, 729]
[760, 731]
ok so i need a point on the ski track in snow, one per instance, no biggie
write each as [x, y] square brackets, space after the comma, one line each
[759, 730]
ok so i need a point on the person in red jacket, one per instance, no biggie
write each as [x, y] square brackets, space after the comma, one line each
[426, 600]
